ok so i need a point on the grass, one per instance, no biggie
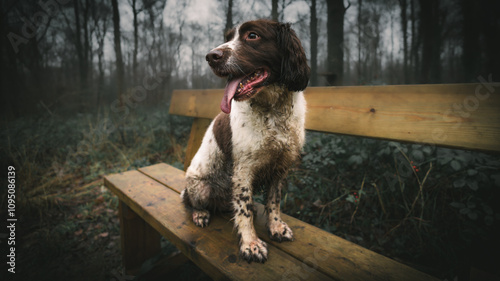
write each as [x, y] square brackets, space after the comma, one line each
[68, 226]
[434, 209]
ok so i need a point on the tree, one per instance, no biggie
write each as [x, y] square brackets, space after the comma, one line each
[490, 27]
[335, 33]
[153, 34]
[431, 41]
[404, 27]
[360, 4]
[135, 13]
[274, 10]
[82, 46]
[120, 72]
[314, 44]
[279, 15]
[100, 15]
[229, 17]
[471, 27]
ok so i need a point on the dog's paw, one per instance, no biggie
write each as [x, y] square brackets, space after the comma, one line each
[254, 251]
[201, 217]
[279, 231]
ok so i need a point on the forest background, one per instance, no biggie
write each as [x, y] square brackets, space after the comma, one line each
[85, 89]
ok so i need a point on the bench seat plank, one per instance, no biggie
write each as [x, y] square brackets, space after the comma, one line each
[315, 248]
[214, 248]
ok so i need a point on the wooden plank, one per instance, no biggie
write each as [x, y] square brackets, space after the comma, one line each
[198, 130]
[434, 114]
[139, 241]
[337, 257]
[453, 115]
[166, 175]
[314, 248]
[196, 103]
[213, 248]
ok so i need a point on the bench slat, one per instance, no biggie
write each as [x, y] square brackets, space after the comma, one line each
[454, 115]
[313, 247]
[213, 248]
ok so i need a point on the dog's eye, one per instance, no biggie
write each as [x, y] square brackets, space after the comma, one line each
[253, 36]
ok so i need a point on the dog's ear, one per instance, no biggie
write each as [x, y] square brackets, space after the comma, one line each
[294, 69]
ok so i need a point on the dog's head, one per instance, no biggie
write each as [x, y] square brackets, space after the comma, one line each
[258, 54]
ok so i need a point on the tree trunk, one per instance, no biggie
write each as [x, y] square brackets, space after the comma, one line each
[490, 28]
[120, 72]
[81, 54]
[390, 68]
[431, 41]
[360, 4]
[274, 10]
[471, 27]
[335, 33]
[136, 41]
[100, 16]
[88, 36]
[281, 16]
[404, 27]
[229, 18]
[314, 44]
[415, 44]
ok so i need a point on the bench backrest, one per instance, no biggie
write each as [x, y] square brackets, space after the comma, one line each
[465, 116]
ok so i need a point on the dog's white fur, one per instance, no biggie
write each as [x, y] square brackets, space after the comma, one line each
[248, 138]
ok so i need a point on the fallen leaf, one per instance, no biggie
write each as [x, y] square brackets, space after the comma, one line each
[99, 199]
[318, 204]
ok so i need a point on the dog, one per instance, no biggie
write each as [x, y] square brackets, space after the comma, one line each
[258, 135]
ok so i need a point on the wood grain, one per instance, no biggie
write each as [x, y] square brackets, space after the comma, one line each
[139, 241]
[460, 115]
[453, 115]
[315, 249]
[214, 248]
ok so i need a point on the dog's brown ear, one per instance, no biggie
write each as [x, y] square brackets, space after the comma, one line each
[294, 69]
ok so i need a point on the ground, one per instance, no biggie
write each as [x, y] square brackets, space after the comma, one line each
[431, 208]
[79, 239]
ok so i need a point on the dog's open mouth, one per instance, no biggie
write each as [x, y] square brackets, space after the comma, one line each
[242, 88]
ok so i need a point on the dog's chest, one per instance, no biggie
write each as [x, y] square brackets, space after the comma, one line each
[257, 133]
[254, 134]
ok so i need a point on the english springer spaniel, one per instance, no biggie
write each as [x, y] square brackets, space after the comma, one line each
[251, 144]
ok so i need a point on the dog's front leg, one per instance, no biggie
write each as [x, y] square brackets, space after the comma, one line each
[195, 196]
[251, 247]
[278, 229]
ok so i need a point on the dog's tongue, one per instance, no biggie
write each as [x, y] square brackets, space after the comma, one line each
[229, 93]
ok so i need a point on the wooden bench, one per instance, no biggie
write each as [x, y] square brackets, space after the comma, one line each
[461, 116]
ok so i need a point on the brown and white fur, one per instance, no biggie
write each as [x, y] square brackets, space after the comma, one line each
[259, 134]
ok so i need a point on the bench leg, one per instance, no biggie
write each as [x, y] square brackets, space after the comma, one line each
[139, 240]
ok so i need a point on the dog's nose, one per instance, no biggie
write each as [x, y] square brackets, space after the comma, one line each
[214, 55]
